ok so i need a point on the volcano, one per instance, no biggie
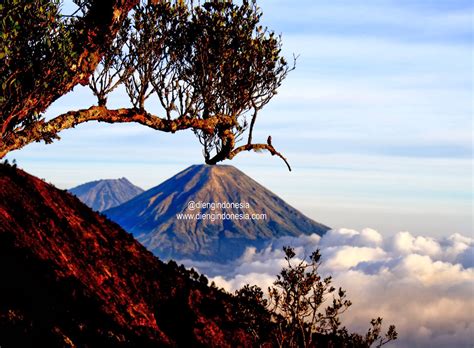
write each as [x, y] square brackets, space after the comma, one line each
[104, 194]
[209, 213]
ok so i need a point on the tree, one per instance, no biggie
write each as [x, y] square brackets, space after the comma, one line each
[210, 67]
[251, 307]
[295, 306]
[44, 55]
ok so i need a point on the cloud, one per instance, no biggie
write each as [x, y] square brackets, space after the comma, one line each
[421, 284]
[344, 236]
[405, 243]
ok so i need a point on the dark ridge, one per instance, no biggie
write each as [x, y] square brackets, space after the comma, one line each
[70, 277]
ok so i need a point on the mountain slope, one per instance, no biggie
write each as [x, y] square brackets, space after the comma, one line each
[104, 194]
[153, 216]
[69, 277]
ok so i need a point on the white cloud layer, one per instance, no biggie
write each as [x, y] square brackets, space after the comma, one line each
[424, 286]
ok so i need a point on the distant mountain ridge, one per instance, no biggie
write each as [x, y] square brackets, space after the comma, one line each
[107, 193]
[152, 215]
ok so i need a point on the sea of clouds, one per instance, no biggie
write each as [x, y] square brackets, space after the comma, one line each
[424, 286]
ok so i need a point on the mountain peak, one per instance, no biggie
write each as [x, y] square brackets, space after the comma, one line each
[106, 193]
[216, 169]
[232, 212]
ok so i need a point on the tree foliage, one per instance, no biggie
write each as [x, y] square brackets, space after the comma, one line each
[305, 309]
[43, 55]
[210, 68]
[34, 38]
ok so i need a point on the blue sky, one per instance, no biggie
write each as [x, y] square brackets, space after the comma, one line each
[376, 120]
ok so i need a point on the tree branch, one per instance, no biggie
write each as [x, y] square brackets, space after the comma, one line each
[48, 131]
[92, 33]
[228, 143]
[257, 148]
[252, 122]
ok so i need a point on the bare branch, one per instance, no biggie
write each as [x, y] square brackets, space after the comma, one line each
[257, 148]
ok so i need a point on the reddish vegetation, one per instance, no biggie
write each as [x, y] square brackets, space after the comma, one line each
[70, 277]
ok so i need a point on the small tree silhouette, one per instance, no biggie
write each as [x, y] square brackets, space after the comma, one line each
[295, 306]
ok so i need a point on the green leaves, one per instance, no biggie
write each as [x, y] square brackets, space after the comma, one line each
[34, 37]
[209, 60]
[233, 63]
